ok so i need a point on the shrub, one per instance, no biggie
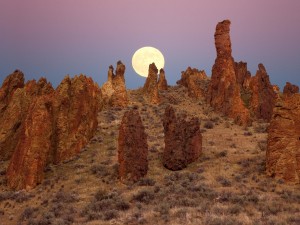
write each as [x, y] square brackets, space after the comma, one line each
[209, 125]
[105, 206]
[247, 133]
[27, 213]
[224, 181]
[222, 154]
[146, 182]
[145, 196]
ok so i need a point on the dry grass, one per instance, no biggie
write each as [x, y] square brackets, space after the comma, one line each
[227, 185]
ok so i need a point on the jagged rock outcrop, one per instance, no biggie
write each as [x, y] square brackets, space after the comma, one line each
[44, 126]
[114, 89]
[242, 74]
[28, 162]
[263, 96]
[20, 97]
[224, 91]
[150, 89]
[75, 114]
[183, 140]
[290, 89]
[132, 147]
[162, 82]
[283, 148]
[195, 81]
[9, 86]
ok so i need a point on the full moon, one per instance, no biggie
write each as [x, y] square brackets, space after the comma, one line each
[143, 57]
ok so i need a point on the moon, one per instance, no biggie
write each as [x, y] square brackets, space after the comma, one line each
[143, 57]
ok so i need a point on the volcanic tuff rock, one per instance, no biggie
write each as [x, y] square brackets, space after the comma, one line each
[16, 108]
[150, 89]
[263, 96]
[242, 74]
[44, 126]
[283, 149]
[183, 140]
[290, 89]
[75, 107]
[195, 81]
[114, 89]
[26, 168]
[9, 86]
[132, 147]
[162, 82]
[224, 91]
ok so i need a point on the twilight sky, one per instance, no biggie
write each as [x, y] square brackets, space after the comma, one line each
[52, 38]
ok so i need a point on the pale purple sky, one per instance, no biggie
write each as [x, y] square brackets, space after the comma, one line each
[53, 38]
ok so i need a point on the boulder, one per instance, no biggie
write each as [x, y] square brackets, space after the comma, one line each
[283, 147]
[132, 147]
[183, 140]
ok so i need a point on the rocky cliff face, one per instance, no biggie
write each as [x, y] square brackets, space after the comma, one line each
[183, 140]
[28, 162]
[195, 81]
[114, 90]
[132, 147]
[242, 74]
[16, 105]
[75, 115]
[283, 150]
[9, 86]
[290, 89]
[162, 82]
[12, 104]
[224, 91]
[42, 126]
[150, 89]
[263, 96]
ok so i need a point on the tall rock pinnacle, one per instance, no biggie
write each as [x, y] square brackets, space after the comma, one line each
[224, 91]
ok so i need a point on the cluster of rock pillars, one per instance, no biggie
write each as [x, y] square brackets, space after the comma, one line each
[40, 125]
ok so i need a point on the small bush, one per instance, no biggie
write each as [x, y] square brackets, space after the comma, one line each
[247, 133]
[209, 125]
[146, 182]
[144, 196]
[27, 213]
[222, 154]
[224, 181]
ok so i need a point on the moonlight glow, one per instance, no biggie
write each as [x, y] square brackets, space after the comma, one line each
[145, 56]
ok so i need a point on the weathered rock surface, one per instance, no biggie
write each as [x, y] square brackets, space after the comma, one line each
[224, 91]
[114, 89]
[283, 149]
[263, 96]
[26, 168]
[195, 81]
[9, 86]
[132, 147]
[162, 82]
[150, 89]
[44, 126]
[183, 140]
[242, 74]
[11, 119]
[75, 108]
[290, 89]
